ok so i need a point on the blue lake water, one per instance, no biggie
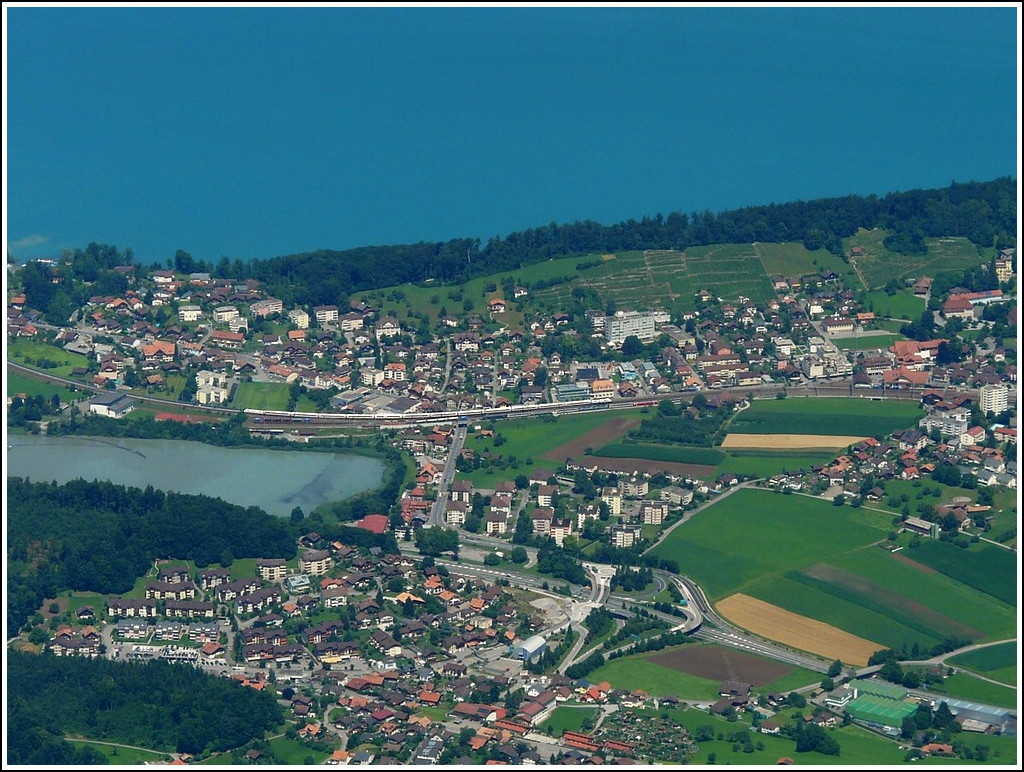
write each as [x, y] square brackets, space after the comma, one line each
[276, 481]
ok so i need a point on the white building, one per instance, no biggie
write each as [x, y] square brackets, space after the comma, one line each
[299, 318]
[625, 323]
[993, 398]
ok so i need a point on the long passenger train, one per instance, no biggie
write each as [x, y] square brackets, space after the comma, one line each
[454, 416]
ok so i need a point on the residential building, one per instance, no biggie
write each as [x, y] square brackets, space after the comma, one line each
[993, 398]
[625, 323]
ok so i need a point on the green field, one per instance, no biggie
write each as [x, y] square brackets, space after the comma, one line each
[879, 265]
[870, 593]
[964, 686]
[568, 719]
[759, 543]
[674, 453]
[30, 353]
[998, 662]
[867, 341]
[986, 568]
[826, 415]
[18, 383]
[767, 464]
[789, 261]
[261, 396]
[525, 440]
[902, 305]
[753, 534]
[636, 672]
[294, 752]
[857, 746]
[123, 756]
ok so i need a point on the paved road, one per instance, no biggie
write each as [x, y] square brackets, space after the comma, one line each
[447, 475]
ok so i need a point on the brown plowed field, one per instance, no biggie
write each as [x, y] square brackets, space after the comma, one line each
[612, 430]
[914, 564]
[595, 438]
[720, 664]
[797, 631]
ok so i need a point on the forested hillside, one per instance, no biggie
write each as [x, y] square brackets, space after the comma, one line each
[156, 705]
[984, 212]
[100, 537]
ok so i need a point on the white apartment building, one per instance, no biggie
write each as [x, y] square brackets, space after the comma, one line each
[993, 398]
[625, 323]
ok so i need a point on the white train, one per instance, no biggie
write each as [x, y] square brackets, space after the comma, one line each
[454, 416]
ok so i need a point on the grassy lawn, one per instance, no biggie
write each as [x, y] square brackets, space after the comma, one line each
[998, 662]
[857, 746]
[30, 353]
[294, 752]
[532, 437]
[636, 672]
[767, 464]
[985, 567]
[123, 756]
[568, 719]
[433, 713]
[964, 686]
[760, 543]
[261, 396]
[867, 340]
[753, 534]
[825, 415]
[903, 305]
[675, 453]
[19, 383]
[952, 593]
[790, 260]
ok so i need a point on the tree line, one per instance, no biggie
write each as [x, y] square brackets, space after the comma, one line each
[156, 705]
[100, 537]
[983, 212]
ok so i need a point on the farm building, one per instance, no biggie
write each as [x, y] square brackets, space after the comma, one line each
[997, 718]
[530, 648]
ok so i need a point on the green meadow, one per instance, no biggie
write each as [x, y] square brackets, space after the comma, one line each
[19, 383]
[814, 559]
[31, 353]
[857, 746]
[878, 265]
[568, 719]
[124, 756]
[261, 396]
[901, 305]
[867, 341]
[673, 453]
[753, 534]
[637, 672]
[964, 686]
[826, 415]
[998, 662]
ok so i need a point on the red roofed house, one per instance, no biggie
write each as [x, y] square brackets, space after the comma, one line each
[374, 523]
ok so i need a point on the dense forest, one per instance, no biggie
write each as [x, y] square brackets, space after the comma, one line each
[155, 705]
[100, 537]
[983, 212]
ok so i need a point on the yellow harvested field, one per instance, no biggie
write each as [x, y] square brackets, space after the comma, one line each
[789, 441]
[797, 631]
